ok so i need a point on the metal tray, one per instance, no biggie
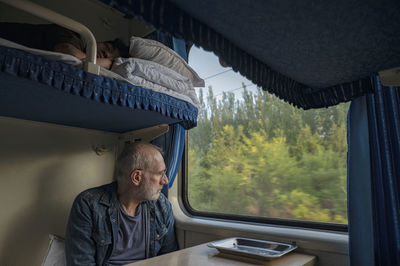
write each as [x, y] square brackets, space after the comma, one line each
[253, 248]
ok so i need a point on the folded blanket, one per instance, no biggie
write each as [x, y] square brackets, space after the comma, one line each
[140, 71]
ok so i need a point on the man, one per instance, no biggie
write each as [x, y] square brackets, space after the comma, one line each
[52, 37]
[127, 220]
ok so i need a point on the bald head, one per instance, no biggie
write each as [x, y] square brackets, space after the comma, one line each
[138, 155]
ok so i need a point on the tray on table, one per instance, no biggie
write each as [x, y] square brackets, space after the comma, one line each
[252, 248]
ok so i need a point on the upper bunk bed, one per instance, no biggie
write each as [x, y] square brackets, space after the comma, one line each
[51, 87]
[311, 55]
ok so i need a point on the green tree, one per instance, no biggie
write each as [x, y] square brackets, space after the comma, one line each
[260, 156]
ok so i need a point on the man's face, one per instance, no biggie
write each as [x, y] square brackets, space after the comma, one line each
[154, 179]
[106, 50]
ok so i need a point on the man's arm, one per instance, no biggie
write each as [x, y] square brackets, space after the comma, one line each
[79, 247]
[104, 62]
[170, 243]
[67, 48]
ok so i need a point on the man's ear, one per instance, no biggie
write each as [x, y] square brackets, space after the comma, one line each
[136, 177]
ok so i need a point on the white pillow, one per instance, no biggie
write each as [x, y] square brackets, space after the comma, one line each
[56, 252]
[138, 71]
[157, 52]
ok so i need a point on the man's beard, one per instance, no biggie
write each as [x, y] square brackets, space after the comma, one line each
[146, 192]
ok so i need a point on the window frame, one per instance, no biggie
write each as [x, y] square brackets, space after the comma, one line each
[191, 212]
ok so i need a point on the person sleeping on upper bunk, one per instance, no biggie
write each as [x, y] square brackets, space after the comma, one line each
[52, 37]
[125, 221]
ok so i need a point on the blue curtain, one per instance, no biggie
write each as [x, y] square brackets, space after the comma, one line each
[359, 185]
[173, 142]
[384, 131]
[374, 182]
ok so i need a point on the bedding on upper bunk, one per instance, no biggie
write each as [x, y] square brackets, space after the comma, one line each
[142, 72]
[140, 95]
[157, 52]
[54, 38]
[146, 74]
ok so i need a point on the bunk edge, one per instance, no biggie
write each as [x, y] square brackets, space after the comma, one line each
[144, 134]
[390, 77]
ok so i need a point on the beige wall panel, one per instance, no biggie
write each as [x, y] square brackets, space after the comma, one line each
[42, 168]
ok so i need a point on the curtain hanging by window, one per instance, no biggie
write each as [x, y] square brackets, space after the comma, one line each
[359, 185]
[374, 177]
[172, 143]
[384, 133]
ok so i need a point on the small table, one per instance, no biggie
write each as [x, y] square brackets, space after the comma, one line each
[202, 255]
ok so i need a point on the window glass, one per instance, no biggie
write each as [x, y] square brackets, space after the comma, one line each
[254, 154]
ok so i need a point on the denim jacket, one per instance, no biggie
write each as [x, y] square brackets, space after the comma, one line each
[93, 227]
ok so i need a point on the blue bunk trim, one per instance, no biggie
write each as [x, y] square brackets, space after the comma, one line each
[35, 88]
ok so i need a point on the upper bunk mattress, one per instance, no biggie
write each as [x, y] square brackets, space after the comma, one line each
[39, 88]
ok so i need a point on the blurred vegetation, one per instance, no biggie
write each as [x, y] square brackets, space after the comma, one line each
[260, 156]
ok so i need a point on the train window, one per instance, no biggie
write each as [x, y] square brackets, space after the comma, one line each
[255, 155]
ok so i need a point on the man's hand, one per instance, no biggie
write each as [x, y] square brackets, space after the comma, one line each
[104, 62]
[67, 48]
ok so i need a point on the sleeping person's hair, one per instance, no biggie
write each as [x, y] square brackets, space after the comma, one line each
[122, 48]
